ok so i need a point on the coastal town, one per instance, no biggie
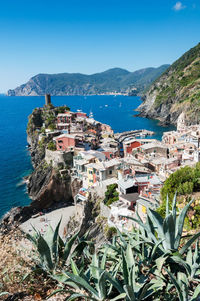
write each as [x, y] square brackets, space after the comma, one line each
[133, 164]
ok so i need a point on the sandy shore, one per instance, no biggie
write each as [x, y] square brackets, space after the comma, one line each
[52, 218]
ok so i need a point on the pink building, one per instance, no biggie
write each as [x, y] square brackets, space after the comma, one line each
[67, 141]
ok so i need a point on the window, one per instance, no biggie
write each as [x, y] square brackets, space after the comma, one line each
[110, 172]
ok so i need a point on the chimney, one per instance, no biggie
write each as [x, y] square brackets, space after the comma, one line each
[47, 99]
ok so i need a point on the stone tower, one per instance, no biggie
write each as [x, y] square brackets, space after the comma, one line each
[181, 122]
[47, 99]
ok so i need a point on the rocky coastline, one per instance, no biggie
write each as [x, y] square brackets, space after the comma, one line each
[47, 189]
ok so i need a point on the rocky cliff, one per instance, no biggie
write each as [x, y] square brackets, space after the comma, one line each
[113, 80]
[47, 187]
[176, 91]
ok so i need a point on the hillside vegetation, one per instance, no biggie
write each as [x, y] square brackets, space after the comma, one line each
[156, 261]
[113, 80]
[177, 90]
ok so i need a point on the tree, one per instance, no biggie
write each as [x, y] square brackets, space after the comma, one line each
[111, 195]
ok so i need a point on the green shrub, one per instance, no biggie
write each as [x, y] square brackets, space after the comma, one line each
[52, 126]
[51, 146]
[111, 195]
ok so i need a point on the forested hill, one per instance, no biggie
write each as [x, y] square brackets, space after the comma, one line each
[176, 91]
[112, 80]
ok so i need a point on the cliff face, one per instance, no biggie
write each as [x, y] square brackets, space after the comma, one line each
[113, 80]
[46, 186]
[176, 91]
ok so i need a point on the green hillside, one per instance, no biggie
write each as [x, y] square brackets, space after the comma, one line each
[176, 90]
[112, 80]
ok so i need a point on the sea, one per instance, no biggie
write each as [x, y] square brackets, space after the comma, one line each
[15, 164]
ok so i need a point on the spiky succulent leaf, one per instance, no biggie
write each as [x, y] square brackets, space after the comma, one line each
[68, 247]
[188, 243]
[169, 233]
[45, 253]
[83, 284]
[176, 284]
[180, 223]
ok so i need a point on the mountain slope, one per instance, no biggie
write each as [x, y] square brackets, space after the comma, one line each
[177, 90]
[112, 80]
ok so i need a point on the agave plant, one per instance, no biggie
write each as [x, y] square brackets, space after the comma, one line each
[169, 230]
[181, 284]
[96, 282]
[51, 249]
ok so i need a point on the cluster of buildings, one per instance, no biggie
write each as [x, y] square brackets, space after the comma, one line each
[138, 166]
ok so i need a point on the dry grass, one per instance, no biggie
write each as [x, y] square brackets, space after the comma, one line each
[16, 262]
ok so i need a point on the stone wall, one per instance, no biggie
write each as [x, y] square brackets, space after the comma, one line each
[57, 157]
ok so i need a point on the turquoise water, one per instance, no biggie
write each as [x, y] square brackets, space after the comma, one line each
[14, 157]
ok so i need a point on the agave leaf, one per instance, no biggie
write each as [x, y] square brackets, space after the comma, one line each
[169, 229]
[4, 293]
[32, 238]
[129, 293]
[189, 257]
[55, 242]
[159, 262]
[113, 275]
[74, 267]
[112, 279]
[180, 224]
[125, 269]
[61, 290]
[155, 248]
[124, 243]
[129, 256]
[144, 293]
[81, 246]
[45, 253]
[176, 284]
[119, 297]
[82, 283]
[68, 247]
[94, 270]
[157, 221]
[144, 226]
[102, 286]
[180, 261]
[182, 278]
[103, 260]
[174, 208]
[188, 243]
[196, 255]
[150, 225]
[196, 294]
[76, 296]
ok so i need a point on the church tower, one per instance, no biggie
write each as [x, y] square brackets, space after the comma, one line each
[181, 122]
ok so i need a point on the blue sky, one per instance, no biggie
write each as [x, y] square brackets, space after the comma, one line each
[89, 36]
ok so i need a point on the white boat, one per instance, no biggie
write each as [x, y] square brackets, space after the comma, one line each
[91, 115]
